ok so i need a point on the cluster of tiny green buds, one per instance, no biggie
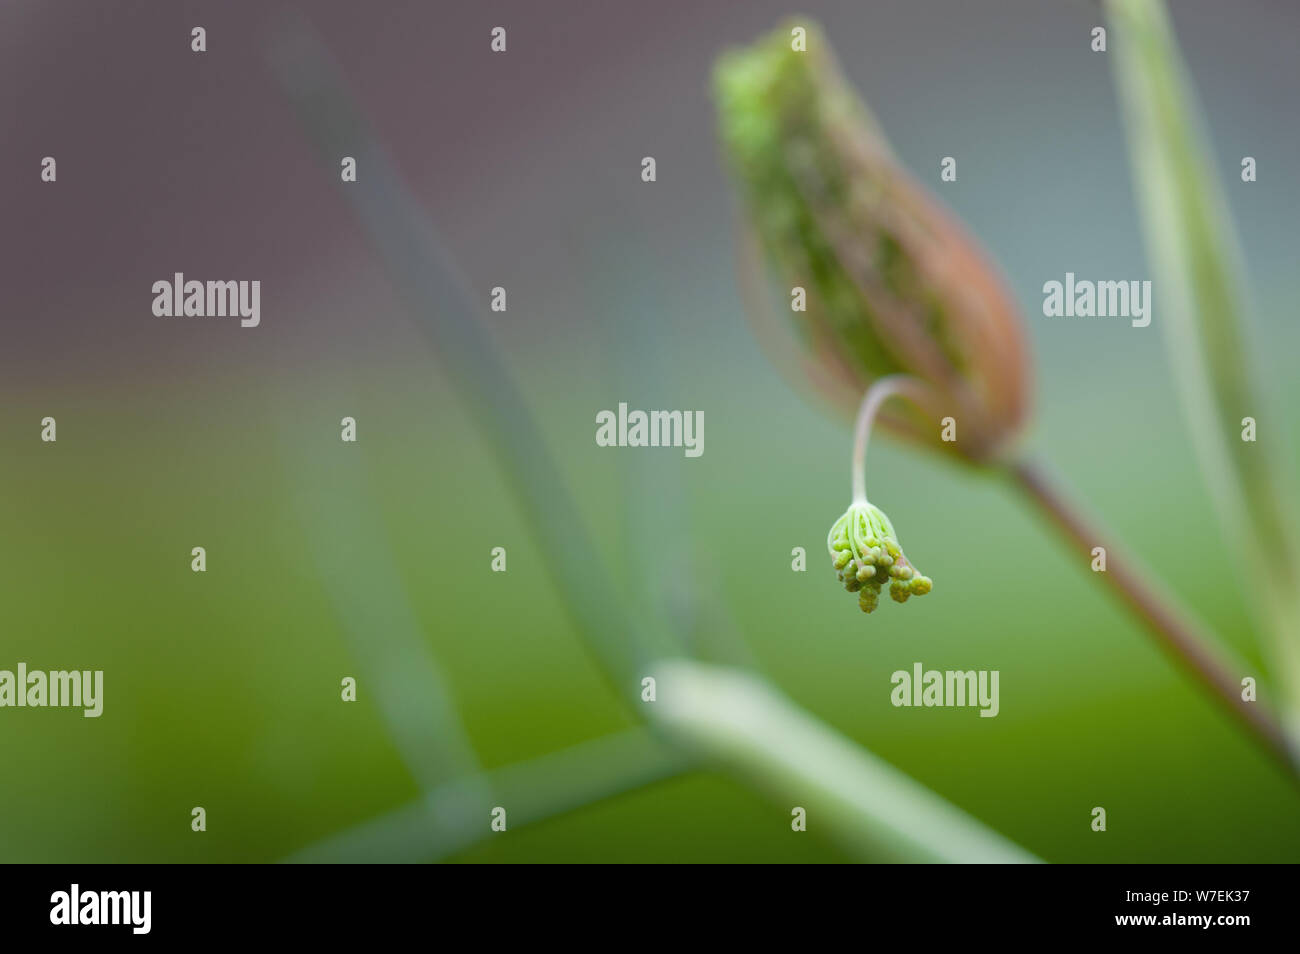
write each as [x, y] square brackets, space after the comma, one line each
[865, 552]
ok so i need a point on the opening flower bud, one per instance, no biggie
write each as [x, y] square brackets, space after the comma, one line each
[859, 543]
[893, 284]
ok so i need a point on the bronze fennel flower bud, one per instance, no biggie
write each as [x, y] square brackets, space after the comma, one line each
[894, 285]
[865, 552]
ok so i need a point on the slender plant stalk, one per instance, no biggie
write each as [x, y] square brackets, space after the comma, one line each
[877, 812]
[452, 818]
[438, 296]
[1197, 262]
[355, 564]
[880, 391]
[1177, 634]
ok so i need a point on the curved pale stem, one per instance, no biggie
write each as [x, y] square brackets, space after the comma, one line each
[880, 391]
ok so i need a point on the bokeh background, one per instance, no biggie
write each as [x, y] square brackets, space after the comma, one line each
[222, 689]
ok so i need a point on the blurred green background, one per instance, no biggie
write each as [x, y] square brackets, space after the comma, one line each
[222, 689]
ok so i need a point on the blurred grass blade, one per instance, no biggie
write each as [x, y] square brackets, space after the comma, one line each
[455, 817]
[354, 562]
[1200, 284]
[874, 810]
[426, 275]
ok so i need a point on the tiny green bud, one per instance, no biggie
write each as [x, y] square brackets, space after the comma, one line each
[866, 554]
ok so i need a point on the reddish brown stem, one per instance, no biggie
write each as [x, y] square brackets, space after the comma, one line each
[1180, 636]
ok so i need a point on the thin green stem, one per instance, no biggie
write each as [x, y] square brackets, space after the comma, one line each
[439, 297]
[1199, 268]
[876, 812]
[455, 816]
[881, 390]
[1180, 636]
